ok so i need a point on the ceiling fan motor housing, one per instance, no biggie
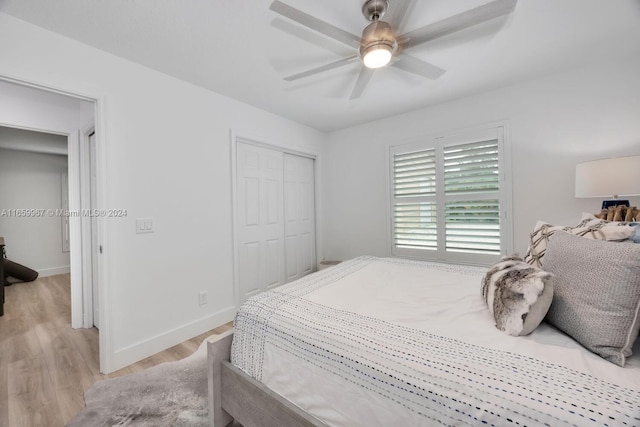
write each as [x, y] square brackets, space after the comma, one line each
[378, 34]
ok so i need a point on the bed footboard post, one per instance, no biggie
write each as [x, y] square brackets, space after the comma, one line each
[218, 349]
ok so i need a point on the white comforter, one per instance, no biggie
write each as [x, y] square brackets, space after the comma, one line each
[391, 342]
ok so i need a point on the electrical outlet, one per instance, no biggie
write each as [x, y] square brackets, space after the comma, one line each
[202, 297]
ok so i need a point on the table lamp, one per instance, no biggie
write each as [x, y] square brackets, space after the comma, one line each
[614, 177]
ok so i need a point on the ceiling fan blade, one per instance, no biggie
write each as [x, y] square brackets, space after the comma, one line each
[326, 67]
[315, 24]
[459, 22]
[398, 13]
[417, 66]
[363, 78]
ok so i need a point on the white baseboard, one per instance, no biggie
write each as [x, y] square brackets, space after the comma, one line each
[136, 352]
[46, 272]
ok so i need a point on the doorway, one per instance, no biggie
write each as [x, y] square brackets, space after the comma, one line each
[32, 107]
[33, 171]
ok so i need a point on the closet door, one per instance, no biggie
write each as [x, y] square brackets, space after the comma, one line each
[299, 216]
[259, 219]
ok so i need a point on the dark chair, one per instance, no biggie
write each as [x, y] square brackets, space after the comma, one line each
[2, 278]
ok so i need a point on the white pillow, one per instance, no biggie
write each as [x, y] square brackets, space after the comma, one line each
[596, 229]
[589, 218]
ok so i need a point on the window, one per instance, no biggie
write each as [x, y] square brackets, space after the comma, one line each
[450, 197]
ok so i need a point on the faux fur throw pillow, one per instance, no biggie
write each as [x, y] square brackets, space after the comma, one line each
[517, 294]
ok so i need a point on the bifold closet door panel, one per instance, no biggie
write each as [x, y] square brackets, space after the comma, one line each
[259, 216]
[299, 216]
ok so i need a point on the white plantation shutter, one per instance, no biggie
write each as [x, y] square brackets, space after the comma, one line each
[414, 178]
[471, 168]
[415, 225]
[472, 223]
[449, 198]
[414, 174]
[473, 226]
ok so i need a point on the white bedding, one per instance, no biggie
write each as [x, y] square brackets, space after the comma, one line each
[383, 342]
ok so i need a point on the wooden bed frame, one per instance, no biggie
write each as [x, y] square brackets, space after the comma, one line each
[233, 395]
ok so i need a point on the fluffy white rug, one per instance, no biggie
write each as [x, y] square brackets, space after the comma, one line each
[171, 394]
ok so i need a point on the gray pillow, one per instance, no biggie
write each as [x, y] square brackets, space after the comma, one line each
[596, 297]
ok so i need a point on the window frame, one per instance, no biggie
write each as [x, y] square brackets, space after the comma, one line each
[493, 131]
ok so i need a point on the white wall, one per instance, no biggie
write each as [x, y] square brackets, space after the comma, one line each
[555, 122]
[33, 181]
[164, 147]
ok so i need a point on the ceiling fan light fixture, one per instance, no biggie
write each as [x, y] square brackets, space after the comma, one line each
[377, 56]
[378, 44]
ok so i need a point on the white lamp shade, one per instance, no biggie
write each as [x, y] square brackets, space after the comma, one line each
[619, 176]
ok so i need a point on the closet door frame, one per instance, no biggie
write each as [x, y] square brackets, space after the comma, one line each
[235, 139]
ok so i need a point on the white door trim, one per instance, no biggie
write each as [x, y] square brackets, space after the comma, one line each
[85, 226]
[75, 233]
[235, 138]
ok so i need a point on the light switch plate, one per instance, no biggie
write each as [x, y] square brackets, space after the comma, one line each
[144, 225]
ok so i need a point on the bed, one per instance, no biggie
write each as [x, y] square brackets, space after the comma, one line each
[387, 341]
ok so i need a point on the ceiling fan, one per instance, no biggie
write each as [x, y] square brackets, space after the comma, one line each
[380, 45]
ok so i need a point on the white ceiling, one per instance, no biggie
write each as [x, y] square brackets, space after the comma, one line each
[241, 49]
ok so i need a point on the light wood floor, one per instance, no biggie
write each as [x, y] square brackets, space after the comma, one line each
[45, 366]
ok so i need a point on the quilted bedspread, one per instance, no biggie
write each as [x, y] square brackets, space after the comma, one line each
[383, 342]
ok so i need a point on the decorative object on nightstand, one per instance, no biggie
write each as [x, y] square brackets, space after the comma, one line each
[620, 213]
[615, 177]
